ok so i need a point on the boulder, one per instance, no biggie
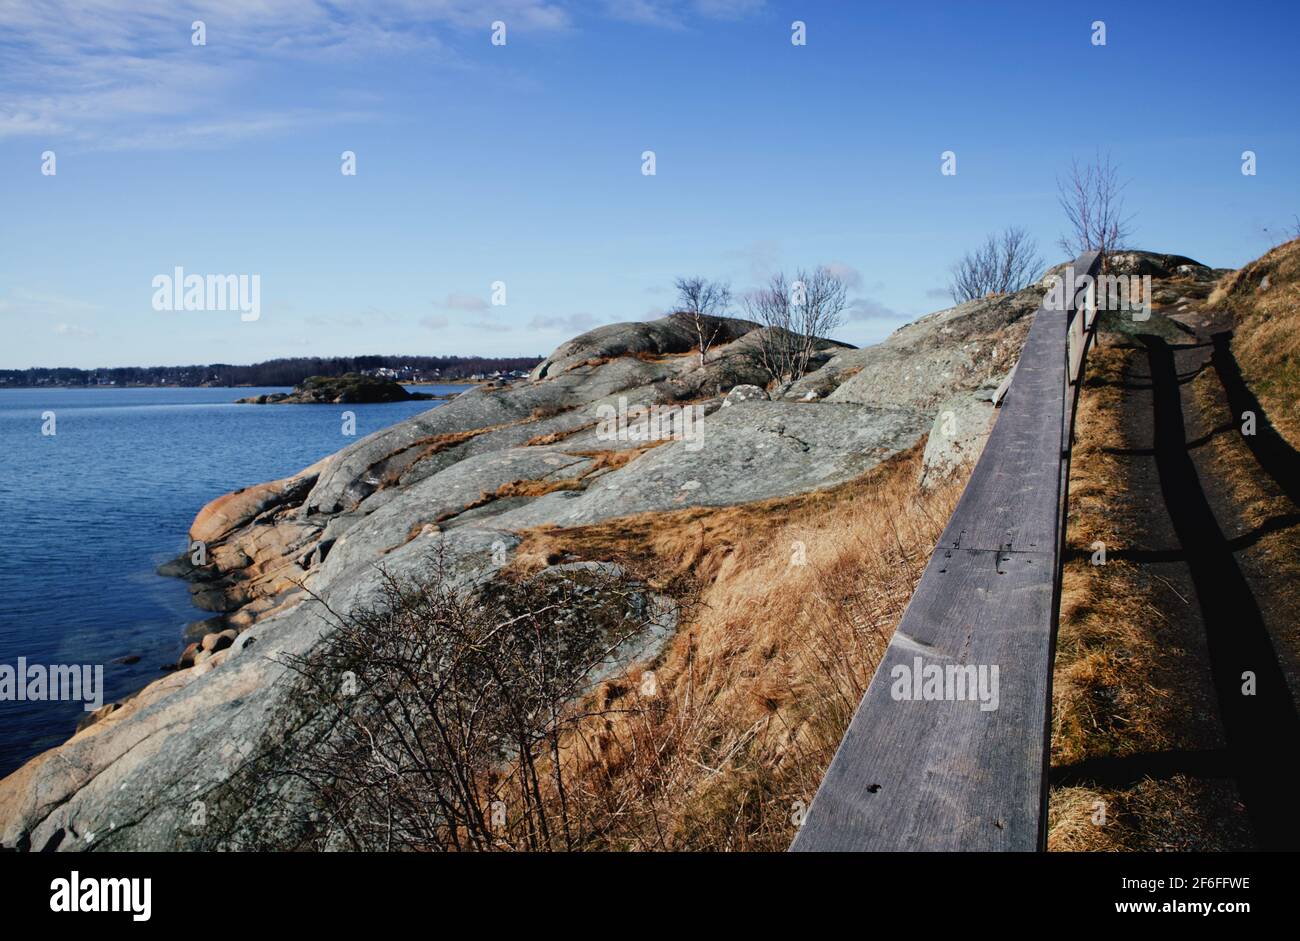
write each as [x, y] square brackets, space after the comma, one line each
[960, 430]
[745, 393]
[188, 655]
[668, 335]
[228, 512]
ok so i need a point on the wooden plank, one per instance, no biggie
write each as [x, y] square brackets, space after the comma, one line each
[947, 775]
[1001, 391]
[952, 773]
[1012, 493]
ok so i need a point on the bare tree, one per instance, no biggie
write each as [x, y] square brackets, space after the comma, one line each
[1003, 264]
[701, 303]
[1092, 197]
[442, 713]
[796, 314]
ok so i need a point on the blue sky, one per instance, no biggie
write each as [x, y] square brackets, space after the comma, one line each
[522, 163]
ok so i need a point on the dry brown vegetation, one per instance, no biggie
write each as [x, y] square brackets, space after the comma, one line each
[554, 437]
[1264, 298]
[796, 599]
[1129, 679]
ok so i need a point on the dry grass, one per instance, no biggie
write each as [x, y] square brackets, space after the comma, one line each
[555, 437]
[390, 472]
[1109, 642]
[1249, 503]
[1172, 815]
[796, 599]
[1266, 337]
[1129, 677]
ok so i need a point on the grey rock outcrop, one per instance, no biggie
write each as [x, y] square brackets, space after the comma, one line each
[460, 482]
[665, 336]
[961, 427]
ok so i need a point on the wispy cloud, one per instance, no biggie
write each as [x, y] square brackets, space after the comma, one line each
[868, 308]
[125, 73]
[462, 301]
[44, 305]
[760, 259]
[851, 276]
[677, 14]
[573, 323]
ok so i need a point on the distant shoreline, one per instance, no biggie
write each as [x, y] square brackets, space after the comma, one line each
[158, 385]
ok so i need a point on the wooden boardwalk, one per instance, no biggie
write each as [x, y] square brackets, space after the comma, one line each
[939, 774]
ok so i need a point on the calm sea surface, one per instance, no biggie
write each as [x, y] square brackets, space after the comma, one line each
[87, 514]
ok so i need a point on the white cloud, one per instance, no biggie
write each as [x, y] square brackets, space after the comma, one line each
[573, 323]
[460, 301]
[851, 276]
[73, 330]
[124, 73]
[674, 14]
[868, 308]
[121, 74]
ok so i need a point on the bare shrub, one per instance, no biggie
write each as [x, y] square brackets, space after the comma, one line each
[1093, 200]
[1003, 264]
[447, 710]
[796, 314]
[701, 303]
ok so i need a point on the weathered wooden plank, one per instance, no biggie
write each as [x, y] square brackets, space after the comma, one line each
[956, 772]
[1013, 490]
[1001, 391]
[946, 775]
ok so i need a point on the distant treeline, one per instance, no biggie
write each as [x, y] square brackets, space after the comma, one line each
[273, 372]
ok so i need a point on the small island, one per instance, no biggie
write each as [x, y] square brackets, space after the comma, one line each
[349, 389]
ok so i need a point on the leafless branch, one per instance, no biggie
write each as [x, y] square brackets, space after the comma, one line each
[1092, 197]
[795, 314]
[701, 303]
[1003, 264]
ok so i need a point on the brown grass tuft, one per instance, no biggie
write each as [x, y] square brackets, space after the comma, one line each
[1264, 298]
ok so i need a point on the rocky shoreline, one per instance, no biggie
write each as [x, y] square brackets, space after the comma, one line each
[276, 561]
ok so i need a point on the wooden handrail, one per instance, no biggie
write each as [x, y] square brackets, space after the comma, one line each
[968, 770]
